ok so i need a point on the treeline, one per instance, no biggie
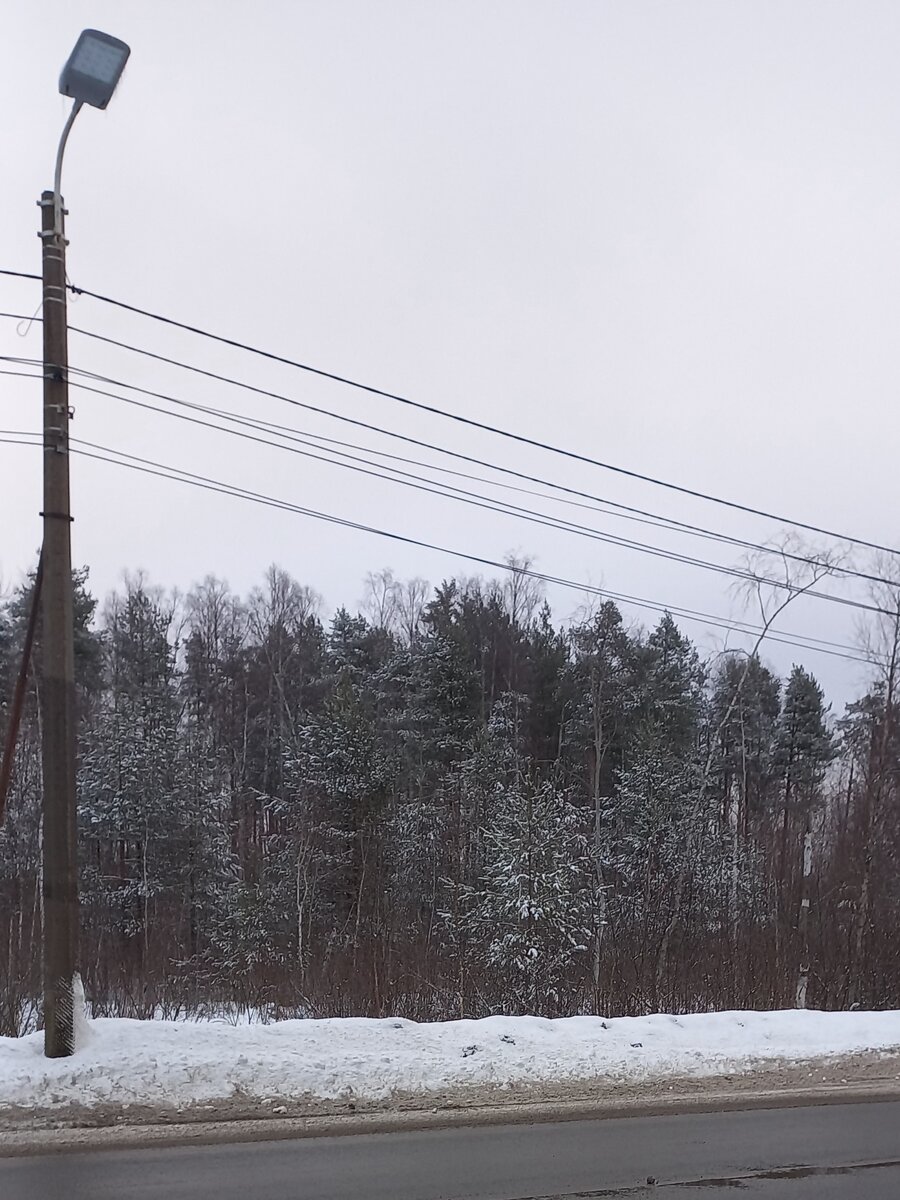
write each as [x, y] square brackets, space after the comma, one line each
[448, 806]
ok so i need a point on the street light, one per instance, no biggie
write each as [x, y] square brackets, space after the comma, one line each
[89, 77]
[94, 68]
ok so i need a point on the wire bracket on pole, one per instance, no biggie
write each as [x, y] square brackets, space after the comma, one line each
[58, 516]
[48, 235]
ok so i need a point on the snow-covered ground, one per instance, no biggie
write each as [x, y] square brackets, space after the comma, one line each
[179, 1064]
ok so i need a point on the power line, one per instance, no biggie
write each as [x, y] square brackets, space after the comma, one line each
[470, 422]
[607, 507]
[623, 511]
[176, 474]
[448, 491]
[798, 640]
[635, 513]
[627, 512]
[478, 500]
[467, 421]
[19, 441]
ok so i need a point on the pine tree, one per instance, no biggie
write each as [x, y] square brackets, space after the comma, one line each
[744, 712]
[672, 681]
[528, 916]
[804, 745]
[129, 800]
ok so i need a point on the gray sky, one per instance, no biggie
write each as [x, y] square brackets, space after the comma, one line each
[663, 234]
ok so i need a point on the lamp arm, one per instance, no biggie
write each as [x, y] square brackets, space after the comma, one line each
[57, 174]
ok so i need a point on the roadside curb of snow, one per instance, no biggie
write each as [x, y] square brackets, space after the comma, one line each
[133, 1137]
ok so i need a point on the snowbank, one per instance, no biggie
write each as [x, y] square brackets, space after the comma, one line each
[175, 1063]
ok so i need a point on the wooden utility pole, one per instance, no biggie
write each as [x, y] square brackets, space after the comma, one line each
[60, 861]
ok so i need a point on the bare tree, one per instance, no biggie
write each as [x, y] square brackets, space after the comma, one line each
[522, 593]
[880, 639]
[412, 597]
[381, 602]
[283, 603]
[773, 579]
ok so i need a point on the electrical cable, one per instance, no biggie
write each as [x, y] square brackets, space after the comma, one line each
[176, 474]
[641, 515]
[475, 499]
[468, 421]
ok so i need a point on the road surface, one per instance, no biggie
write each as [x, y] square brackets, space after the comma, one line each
[837, 1152]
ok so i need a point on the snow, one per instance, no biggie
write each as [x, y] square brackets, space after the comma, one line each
[180, 1063]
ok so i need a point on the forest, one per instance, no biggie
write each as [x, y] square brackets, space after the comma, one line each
[446, 804]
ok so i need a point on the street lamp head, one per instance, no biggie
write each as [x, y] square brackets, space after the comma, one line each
[94, 67]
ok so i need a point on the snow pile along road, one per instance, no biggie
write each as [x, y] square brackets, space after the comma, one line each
[179, 1064]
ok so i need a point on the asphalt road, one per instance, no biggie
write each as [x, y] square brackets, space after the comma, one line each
[837, 1152]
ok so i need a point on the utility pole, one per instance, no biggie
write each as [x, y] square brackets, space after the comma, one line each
[60, 852]
[89, 77]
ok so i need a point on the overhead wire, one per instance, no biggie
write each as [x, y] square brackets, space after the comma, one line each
[476, 499]
[19, 441]
[145, 466]
[471, 422]
[319, 410]
[801, 641]
[93, 450]
[641, 515]
[483, 426]
[501, 506]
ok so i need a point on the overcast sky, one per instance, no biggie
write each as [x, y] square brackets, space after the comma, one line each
[665, 235]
